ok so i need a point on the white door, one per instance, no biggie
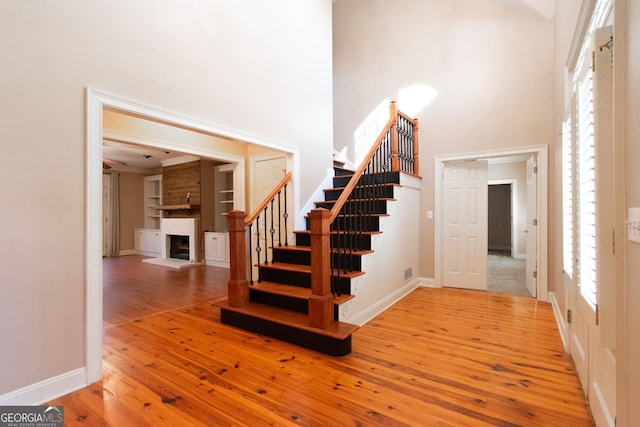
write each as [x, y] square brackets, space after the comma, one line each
[465, 199]
[531, 272]
[267, 173]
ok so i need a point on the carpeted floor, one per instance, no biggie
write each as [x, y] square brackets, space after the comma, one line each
[506, 275]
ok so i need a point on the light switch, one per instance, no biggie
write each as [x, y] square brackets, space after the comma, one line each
[633, 225]
[429, 214]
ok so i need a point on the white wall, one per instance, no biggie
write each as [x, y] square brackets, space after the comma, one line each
[395, 252]
[244, 65]
[491, 62]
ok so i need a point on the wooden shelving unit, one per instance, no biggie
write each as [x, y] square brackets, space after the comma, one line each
[152, 200]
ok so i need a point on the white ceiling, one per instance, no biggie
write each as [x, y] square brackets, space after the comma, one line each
[134, 157]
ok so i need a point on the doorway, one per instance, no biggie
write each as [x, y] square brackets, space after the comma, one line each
[537, 230]
[499, 224]
[505, 266]
[97, 101]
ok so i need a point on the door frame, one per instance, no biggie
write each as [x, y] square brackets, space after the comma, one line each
[541, 153]
[97, 101]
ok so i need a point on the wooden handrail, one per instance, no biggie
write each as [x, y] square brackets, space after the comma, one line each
[358, 173]
[268, 199]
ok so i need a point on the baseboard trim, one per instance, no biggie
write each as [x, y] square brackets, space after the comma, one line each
[366, 315]
[126, 252]
[47, 390]
[427, 282]
[562, 325]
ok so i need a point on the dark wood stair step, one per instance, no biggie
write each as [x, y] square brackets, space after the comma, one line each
[289, 326]
[300, 268]
[341, 171]
[293, 291]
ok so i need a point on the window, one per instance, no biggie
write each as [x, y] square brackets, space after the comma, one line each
[586, 191]
[579, 152]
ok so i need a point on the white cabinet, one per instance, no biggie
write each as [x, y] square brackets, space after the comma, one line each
[152, 199]
[216, 249]
[147, 242]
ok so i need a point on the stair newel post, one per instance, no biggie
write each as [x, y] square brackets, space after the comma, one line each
[321, 299]
[238, 287]
[395, 162]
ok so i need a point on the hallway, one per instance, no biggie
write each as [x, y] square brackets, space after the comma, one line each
[506, 275]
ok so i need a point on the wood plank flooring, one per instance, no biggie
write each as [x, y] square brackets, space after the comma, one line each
[133, 289]
[439, 357]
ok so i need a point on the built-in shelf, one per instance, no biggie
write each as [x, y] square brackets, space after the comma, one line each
[152, 198]
[224, 195]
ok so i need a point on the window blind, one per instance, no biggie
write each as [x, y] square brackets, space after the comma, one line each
[586, 194]
[567, 197]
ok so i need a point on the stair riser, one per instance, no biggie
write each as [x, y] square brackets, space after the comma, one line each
[304, 258]
[320, 343]
[292, 257]
[367, 223]
[350, 208]
[363, 223]
[381, 191]
[293, 278]
[381, 178]
[362, 242]
[342, 172]
[283, 301]
[302, 279]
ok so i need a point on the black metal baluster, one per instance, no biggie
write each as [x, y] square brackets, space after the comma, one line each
[258, 248]
[250, 257]
[272, 231]
[279, 220]
[286, 216]
[266, 238]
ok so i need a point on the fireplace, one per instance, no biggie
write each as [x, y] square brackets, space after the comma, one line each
[180, 243]
[180, 239]
[178, 246]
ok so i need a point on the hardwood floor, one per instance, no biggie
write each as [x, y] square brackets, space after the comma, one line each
[133, 289]
[439, 357]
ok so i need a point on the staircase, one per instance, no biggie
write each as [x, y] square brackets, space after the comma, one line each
[299, 288]
[279, 300]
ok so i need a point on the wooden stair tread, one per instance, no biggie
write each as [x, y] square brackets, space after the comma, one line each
[293, 291]
[301, 268]
[338, 330]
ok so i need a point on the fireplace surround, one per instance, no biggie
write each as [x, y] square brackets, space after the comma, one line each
[185, 227]
[184, 251]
